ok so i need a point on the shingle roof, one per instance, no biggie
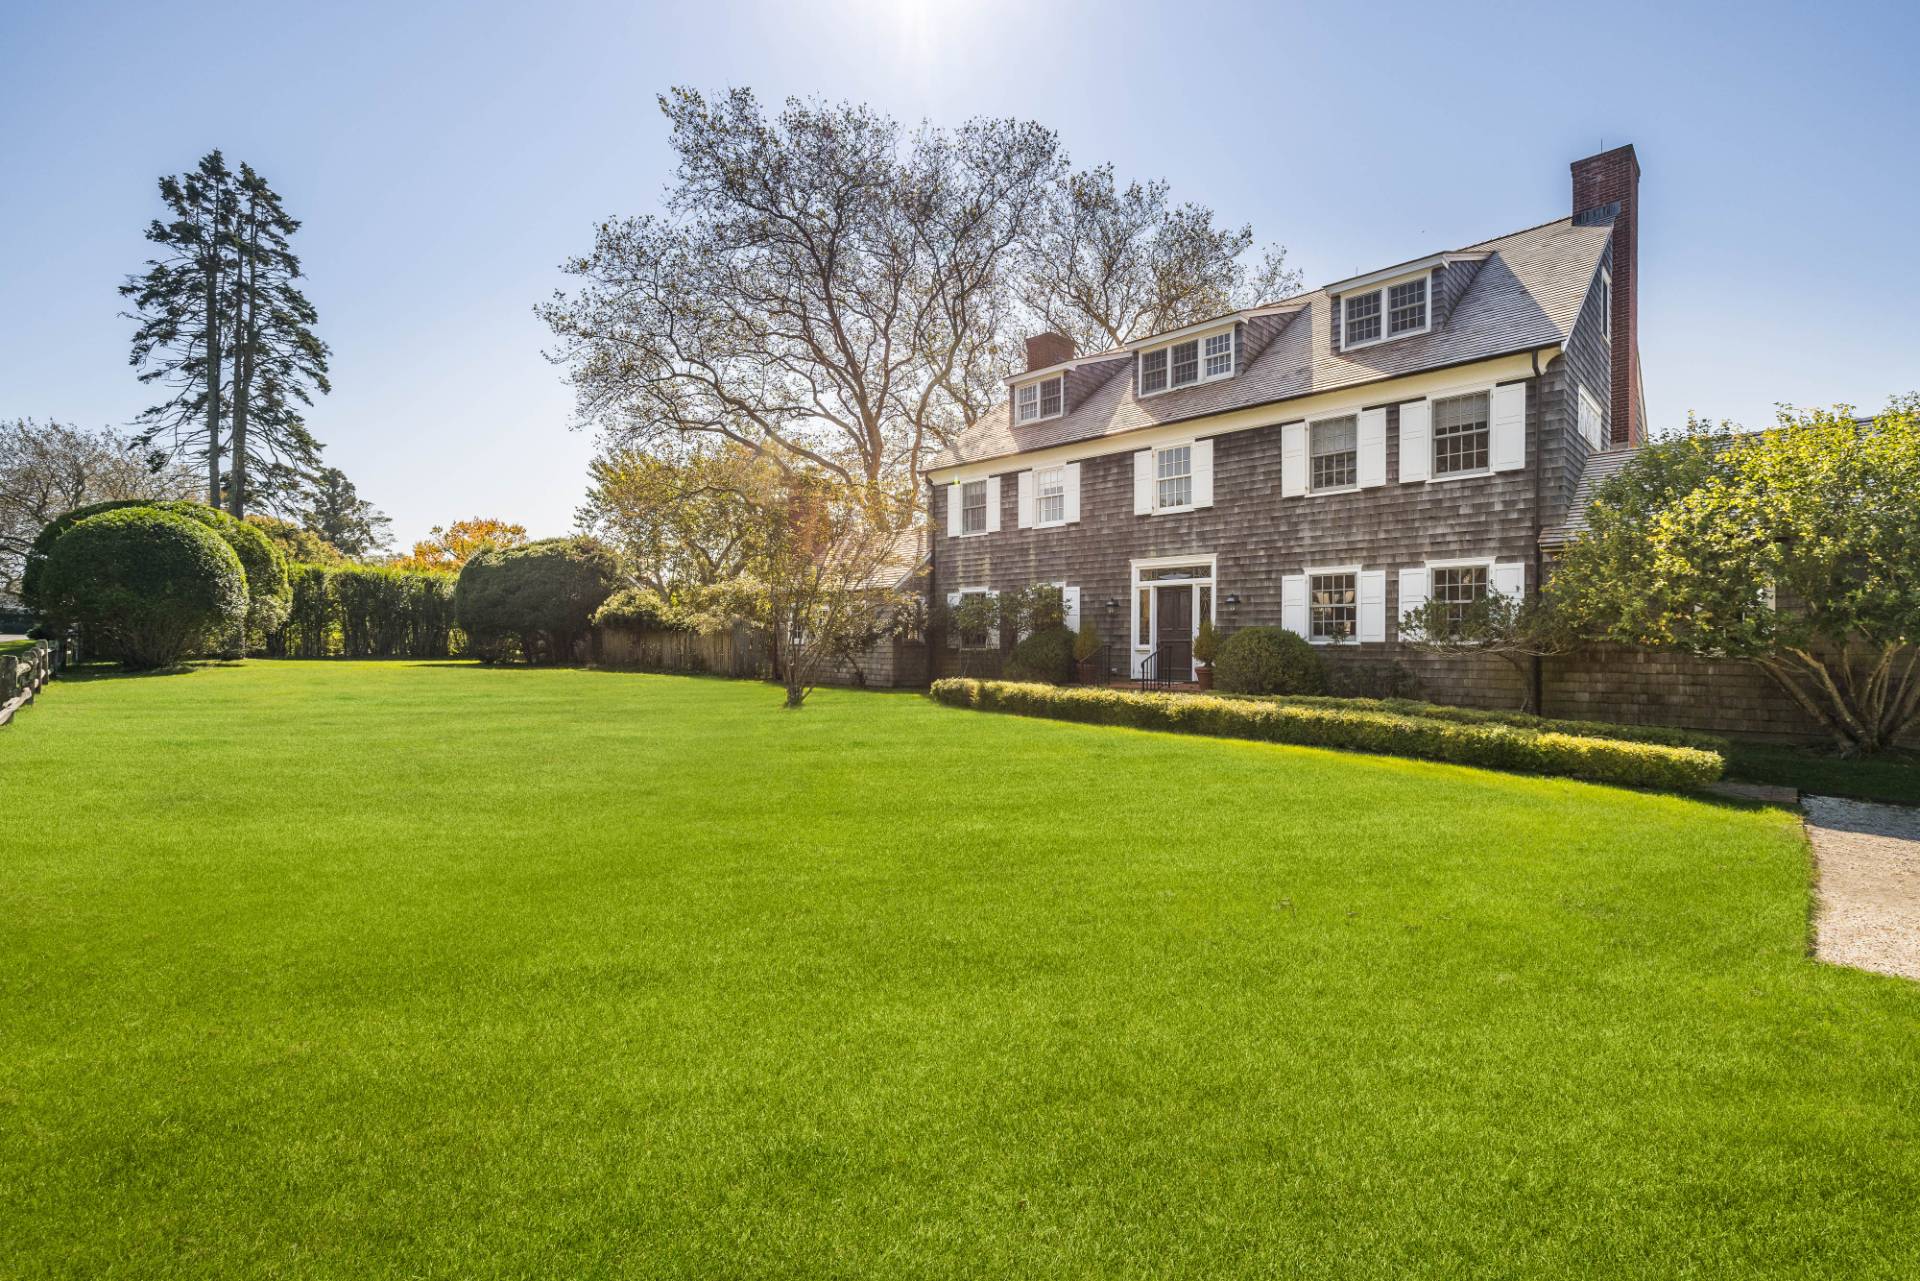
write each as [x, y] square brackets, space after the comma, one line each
[1599, 467]
[905, 558]
[1526, 295]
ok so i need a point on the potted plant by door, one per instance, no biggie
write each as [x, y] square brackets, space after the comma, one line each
[1086, 654]
[1205, 645]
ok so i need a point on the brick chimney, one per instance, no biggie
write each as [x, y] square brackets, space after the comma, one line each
[1048, 349]
[1606, 189]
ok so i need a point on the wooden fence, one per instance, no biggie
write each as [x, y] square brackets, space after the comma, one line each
[25, 674]
[740, 652]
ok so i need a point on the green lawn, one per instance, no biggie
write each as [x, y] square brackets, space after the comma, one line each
[429, 970]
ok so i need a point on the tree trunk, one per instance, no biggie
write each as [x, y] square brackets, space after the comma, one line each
[244, 313]
[215, 358]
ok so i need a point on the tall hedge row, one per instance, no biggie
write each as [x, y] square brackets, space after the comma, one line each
[367, 611]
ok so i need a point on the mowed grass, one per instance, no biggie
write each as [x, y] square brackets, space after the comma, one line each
[429, 970]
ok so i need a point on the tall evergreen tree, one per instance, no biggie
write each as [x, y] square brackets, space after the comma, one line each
[222, 323]
[337, 513]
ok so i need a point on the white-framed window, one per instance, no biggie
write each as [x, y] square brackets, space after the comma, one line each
[1173, 477]
[1333, 606]
[1334, 453]
[1219, 354]
[1606, 304]
[1459, 588]
[1395, 310]
[1592, 421]
[1034, 402]
[982, 638]
[1202, 359]
[1050, 495]
[973, 507]
[1461, 439]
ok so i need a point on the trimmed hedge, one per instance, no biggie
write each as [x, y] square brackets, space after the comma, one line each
[1044, 656]
[1662, 734]
[537, 600]
[1490, 746]
[1268, 660]
[367, 611]
[148, 586]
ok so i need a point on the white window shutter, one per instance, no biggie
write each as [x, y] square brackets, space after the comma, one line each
[1025, 483]
[1070, 500]
[1293, 603]
[993, 504]
[993, 633]
[1507, 428]
[953, 633]
[1416, 441]
[1413, 593]
[1203, 473]
[1509, 578]
[1070, 595]
[1372, 444]
[953, 510]
[1372, 605]
[1293, 460]
[1143, 483]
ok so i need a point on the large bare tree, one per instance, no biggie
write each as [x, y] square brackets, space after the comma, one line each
[48, 469]
[846, 293]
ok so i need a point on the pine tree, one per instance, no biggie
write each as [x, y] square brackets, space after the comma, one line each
[222, 322]
[336, 512]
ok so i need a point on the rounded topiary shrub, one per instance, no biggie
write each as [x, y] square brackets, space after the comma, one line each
[1267, 660]
[636, 609]
[269, 590]
[539, 598]
[149, 586]
[1045, 656]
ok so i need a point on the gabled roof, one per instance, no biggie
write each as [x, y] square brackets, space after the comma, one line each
[1600, 466]
[1526, 295]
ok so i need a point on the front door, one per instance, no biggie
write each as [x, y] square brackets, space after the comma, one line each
[1173, 634]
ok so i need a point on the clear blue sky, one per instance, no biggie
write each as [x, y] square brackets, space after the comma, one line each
[446, 157]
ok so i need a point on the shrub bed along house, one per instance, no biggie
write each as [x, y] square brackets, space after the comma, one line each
[1268, 660]
[1046, 655]
[1490, 745]
[1663, 734]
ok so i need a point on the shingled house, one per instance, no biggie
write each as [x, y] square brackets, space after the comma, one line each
[1323, 463]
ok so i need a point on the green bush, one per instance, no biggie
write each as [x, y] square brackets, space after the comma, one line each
[1044, 656]
[149, 586]
[1490, 746]
[539, 599]
[637, 609]
[1268, 660]
[368, 611]
[264, 567]
[1479, 716]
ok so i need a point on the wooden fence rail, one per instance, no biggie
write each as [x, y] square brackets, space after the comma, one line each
[24, 675]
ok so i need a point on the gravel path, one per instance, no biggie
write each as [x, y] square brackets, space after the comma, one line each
[1868, 880]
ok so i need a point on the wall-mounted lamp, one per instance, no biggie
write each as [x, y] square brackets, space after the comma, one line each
[1112, 604]
[1231, 600]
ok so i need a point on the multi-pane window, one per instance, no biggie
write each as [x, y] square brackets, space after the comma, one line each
[1333, 607]
[1153, 371]
[976, 639]
[1050, 489]
[1186, 362]
[1407, 307]
[1460, 434]
[1459, 587]
[1173, 473]
[1363, 318]
[973, 507]
[1183, 364]
[1336, 455]
[1220, 355]
[1037, 400]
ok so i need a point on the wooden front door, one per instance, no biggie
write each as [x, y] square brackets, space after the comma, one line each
[1173, 634]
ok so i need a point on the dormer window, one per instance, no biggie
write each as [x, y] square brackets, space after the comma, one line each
[1390, 311]
[1036, 401]
[1207, 358]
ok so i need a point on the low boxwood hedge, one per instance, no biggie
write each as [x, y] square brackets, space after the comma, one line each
[1663, 734]
[1490, 745]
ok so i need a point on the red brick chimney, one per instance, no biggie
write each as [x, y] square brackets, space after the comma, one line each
[1048, 349]
[1606, 189]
